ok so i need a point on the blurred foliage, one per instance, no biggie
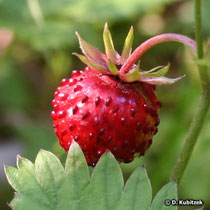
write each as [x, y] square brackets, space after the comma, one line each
[40, 55]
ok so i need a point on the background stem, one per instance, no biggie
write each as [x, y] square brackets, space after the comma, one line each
[204, 103]
[192, 136]
[198, 28]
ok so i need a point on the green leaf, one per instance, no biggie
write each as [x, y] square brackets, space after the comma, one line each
[106, 183]
[48, 172]
[23, 202]
[24, 163]
[24, 182]
[137, 194]
[47, 185]
[76, 179]
[12, 175]
[167, 192]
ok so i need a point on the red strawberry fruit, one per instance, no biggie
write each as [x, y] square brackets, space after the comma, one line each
[111, 105]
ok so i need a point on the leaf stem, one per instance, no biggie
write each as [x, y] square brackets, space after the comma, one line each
[202, 110]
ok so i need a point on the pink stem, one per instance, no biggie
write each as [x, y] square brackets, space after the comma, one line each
[139, 51]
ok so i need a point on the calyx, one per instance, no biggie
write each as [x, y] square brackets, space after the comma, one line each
[123, 66]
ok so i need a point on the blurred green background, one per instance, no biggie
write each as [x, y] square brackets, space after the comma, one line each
[39, 56]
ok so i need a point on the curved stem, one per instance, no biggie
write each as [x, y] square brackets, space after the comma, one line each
[192, 137]
[204, 104]
[139, 51]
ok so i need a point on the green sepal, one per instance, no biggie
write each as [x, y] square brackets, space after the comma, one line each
[127, 46]
[161, 72]
[91, 64]
[108, 63]
[92, 53]
[160, 80]
[133, 75]
[152, 77]
[113, 68]
[108, 44]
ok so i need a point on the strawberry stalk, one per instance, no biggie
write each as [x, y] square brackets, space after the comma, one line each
[151, 43]
[204, 104]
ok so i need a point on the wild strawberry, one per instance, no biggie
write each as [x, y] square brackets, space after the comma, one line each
[111, 104]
